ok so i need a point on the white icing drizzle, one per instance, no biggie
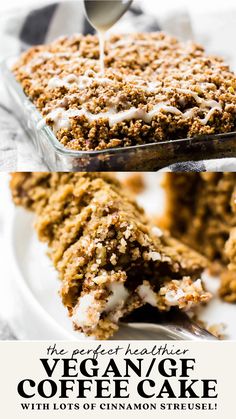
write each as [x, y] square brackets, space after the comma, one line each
[61, 117]
[101, 37]
[205, 120]
[81, 81]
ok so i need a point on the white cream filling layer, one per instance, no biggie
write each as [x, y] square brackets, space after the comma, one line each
[172, 297]
[119, 295]
[146, 294]
[86, 313]
[183, 294]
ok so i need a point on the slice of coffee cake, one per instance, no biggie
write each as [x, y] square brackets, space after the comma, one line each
[109, 258]
[201, 212]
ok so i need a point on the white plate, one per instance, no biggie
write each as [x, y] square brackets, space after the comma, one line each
[30, 283]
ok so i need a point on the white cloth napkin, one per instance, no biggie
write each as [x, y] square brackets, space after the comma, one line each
[24, 27]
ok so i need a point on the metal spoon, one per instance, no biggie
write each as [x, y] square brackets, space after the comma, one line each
[173, 325]
[103, 14]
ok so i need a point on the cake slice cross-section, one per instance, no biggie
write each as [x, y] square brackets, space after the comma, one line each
[109, 258]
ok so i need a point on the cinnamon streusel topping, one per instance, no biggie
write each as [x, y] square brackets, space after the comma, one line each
[154, 88]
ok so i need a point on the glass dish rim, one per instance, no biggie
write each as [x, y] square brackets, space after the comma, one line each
[55, 143]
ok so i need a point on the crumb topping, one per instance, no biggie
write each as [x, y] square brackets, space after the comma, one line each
[154, 88]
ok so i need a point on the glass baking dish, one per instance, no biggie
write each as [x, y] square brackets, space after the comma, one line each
[146, 157]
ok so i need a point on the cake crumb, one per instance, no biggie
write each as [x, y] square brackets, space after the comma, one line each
[135, 182]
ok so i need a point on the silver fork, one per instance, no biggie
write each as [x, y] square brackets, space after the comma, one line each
[148, 323]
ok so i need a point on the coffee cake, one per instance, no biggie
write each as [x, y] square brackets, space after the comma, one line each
[109, 258]
[201, 212]
[155, 88]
